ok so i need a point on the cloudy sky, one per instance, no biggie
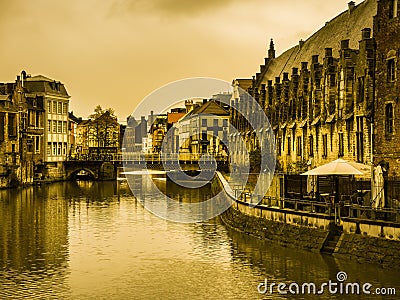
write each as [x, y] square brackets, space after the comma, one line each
[115, 52]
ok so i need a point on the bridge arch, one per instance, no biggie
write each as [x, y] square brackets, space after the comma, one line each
[72, 175]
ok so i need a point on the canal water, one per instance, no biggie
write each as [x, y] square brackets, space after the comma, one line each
[80, 240]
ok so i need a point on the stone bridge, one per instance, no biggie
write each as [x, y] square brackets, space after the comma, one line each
[97, 169]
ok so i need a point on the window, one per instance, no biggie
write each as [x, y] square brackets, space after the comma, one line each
[12, 125]
[349, 127]
[361, 87]
[391, 70]
[64, 126]
[54, 107]
[225, 123]
[49, 125]
[204, 135]
[289, 145]
[64, 149]
[54, 126]
[54, 148]
[299, 146]
[393, 9]
[204, 122]
[360, 139]
[325, 145]
[49, 106]
[59, 130]
[49, 148]
[59, 148]
[2, 121]
[38, 120]
[65, 108]
[280, 146]
[59, 111]
[311, 153]
[332, 80]
[389, 118]
[215, 122]
[37, 144]
[341, 145]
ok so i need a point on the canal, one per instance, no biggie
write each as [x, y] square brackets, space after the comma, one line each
[81, 240]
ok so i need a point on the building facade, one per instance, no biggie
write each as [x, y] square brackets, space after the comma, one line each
[387, 106]
[55, 141]
[99, 137]
[319, 95]
[204, 129]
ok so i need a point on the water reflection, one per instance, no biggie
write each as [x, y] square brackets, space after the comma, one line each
[33, 242]
[76, 240]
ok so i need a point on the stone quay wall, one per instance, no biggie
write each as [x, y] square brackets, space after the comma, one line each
[364, 240]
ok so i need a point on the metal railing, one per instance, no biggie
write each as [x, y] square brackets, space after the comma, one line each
[328, 207]
[152, 157]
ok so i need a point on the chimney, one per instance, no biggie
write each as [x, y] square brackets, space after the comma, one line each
[301, 43]
[188, 105]
[314, 59]
[295, 71]
[285, 76]
[204, 101]
[328, 52]
[351, 5]
[277, 79]
[304, 65]
[269, 83]
[344, 44]
[366, 33]
[23, 77]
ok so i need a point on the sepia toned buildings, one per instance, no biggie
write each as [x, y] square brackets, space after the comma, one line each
[387, 105]
[98, 137]
[33, 129]
[325, 96]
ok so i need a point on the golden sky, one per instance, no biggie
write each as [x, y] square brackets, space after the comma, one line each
[115, 52]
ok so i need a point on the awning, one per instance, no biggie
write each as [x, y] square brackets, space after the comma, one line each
[316, 120]
[330, 118]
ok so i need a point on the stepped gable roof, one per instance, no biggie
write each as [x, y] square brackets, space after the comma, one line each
[347, 25]
[43, 84]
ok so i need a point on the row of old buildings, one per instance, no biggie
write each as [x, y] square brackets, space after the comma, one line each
[200, 127]
[334, 95]
[38, 133]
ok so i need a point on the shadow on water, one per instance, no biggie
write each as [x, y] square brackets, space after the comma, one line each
[279, 264]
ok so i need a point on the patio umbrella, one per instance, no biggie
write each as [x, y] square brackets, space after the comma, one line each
[340, 167]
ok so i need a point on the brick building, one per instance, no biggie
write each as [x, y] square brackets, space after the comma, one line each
[387, 109]
[319, 94]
